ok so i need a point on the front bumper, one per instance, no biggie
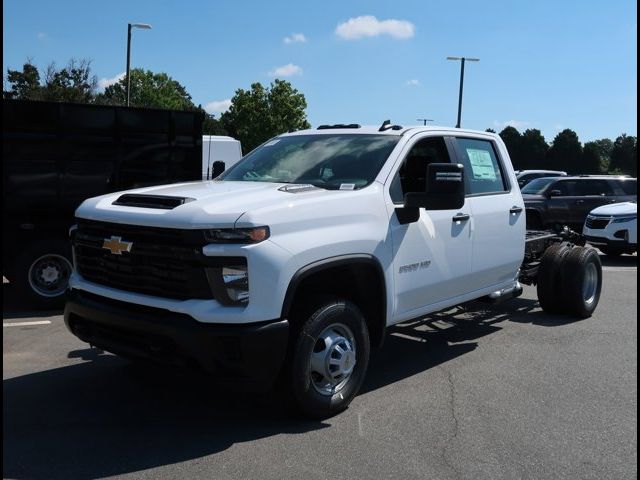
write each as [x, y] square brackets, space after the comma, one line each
[249, 356]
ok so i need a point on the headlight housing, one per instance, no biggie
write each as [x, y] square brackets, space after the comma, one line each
[626, 218]
[237, 235]
[228, 278]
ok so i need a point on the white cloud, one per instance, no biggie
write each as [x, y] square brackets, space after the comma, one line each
[41, 35]
[287, 70]
[511, 123]
[558, 127]
[414, 82]
[295, 38]
[105, 82]
[370, 26]
[218, 106]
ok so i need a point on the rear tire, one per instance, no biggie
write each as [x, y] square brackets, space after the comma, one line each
[41, 273]
[581, 277]
[548, 282]
[323, 377]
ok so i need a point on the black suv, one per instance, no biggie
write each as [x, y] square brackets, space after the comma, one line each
[558, 201]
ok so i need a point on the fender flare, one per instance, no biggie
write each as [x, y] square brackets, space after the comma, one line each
[332, 262]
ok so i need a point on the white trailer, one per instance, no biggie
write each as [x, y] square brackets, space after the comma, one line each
[219, 148]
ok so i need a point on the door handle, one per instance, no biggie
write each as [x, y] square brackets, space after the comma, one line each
[515, 209]
[579, 201]
[461, 217]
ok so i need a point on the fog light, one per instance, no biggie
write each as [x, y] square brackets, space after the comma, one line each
[236, 282]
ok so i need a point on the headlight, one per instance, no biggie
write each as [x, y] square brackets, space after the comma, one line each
[237, 235]
[228, 278]
[624, 219]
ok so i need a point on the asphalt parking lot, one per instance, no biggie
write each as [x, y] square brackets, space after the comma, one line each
[495, 392]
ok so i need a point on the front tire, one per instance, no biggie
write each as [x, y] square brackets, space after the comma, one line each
[41, 273]
[329, 359]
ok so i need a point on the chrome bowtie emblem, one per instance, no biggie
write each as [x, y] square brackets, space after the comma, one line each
[116, 246]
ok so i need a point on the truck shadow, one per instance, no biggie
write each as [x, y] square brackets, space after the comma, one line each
[104, 416]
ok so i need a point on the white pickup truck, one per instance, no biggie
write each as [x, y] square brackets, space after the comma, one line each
[292, 264]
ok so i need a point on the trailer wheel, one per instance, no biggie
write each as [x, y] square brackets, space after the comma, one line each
[581, 281]
[548, 282]
[42, 273]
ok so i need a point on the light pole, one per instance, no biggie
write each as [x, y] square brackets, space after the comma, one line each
[424, 120]
[144, 26]
[462, 61]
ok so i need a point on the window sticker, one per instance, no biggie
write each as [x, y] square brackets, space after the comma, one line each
[347, 186]
[481, 164]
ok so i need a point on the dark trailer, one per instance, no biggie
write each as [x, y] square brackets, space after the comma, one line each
[55, 155]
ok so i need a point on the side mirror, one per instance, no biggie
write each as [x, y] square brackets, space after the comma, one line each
[444, 191]
[217, 168]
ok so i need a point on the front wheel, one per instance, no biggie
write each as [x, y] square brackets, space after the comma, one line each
[42, 271]
[329, 358]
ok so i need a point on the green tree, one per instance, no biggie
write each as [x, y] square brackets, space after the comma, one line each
[148, 89]
[24, 84]
[75, 83]
[591, 159]
[513, 141]
[624, 156]
[260, 113]
[490, 130]
[565, 152]
[211, 125]
[604, 145]
[533, 149]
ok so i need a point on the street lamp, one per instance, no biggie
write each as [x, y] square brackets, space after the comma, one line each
[424, 120]
[144, 26]
[462, 61]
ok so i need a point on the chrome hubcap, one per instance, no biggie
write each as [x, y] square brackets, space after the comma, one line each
[590, 285]
[333, 359]
[49, 275]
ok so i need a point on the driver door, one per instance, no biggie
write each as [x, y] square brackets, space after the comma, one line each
[431, 257]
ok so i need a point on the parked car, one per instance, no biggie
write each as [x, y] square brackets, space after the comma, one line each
[557, 201]
[292, 264]
[526, 176]
[613, 228]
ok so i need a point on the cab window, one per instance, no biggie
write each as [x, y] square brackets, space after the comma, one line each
[412, 175]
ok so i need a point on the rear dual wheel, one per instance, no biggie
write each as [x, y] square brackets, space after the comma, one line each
[570, 280]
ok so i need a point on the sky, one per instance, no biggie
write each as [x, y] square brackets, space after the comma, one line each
[546, 64]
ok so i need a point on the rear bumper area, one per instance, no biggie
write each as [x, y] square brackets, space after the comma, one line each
[247, 356]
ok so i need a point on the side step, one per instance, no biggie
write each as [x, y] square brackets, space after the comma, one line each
[502, 295]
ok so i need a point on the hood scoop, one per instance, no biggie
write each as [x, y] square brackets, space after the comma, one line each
[162, 202]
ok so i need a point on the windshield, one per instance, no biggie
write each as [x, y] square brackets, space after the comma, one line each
[538, 185]
[334, 162]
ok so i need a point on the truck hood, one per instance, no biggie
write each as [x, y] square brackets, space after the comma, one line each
[213, 204]
[623, 208]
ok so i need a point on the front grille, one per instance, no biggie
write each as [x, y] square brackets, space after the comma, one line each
[597, 223]
[163, 262]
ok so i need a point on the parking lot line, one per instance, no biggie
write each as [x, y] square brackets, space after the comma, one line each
[25, 324]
